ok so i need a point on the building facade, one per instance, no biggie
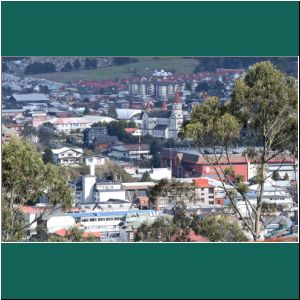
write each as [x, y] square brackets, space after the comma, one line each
[163, 123]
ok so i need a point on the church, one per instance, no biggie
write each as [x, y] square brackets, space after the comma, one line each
[163, 123]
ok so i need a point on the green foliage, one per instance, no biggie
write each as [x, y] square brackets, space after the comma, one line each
[39, 67]
[285, 64]
[211, 125]
[276, 176]
[202, 87]
[112, 112]
[28, 130]
[111, 171]
[76, 64]
[177, 193]
[86, 111]
[67, 67]
[5, 67]
[48, 156]
[220, 229]
[74, 234]
[90, 63]
[146, 177]
[41, 234]
[117, 128]
[286, 176]
[266, 101]
[25, 178]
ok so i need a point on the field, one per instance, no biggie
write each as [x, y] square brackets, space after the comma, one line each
[144, 67]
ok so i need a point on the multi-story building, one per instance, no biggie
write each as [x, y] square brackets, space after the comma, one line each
[90, 134]
[67, 156]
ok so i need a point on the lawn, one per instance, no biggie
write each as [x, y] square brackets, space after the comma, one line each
[144, 67]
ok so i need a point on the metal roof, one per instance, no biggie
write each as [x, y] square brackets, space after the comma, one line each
[107, 214]
[30, 97]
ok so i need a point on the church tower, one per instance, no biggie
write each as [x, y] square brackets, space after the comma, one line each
[176, 118]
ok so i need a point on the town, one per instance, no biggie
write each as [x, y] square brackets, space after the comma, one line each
[123, 134]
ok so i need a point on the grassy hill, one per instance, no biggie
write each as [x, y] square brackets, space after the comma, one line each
[144, 67]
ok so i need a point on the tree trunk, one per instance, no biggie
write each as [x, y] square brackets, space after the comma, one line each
[260, 201]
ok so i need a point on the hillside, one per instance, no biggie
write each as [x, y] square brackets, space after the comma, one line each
[144, 67]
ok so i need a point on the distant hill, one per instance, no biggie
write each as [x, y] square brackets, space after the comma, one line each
[144, 66]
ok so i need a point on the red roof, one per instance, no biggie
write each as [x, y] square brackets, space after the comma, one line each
[64, 232]
[130, 130]
[201, 182]
[192, 237]
[177, 98]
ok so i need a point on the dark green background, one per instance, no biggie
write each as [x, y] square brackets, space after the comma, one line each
[150, 270]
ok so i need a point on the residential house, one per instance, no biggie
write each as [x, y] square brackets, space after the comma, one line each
[67, 156]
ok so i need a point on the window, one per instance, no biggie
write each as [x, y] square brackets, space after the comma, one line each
[101, 219]
[109, 219]
[93, 220]
[85, 220]
[211, 190]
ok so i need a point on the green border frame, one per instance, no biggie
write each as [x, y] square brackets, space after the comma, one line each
[150, 270]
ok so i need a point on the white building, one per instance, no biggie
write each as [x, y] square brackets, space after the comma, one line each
[163, 123]
[271, 195]
[155, 173]
[67, 156]
[131, 151]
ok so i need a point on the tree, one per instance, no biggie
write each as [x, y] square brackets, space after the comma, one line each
[146, 177]
[67, 67]
[90, 63]
[275, 175]
[5, 67]
[76, 64]
[25, 179]
[265, 101]
[112, 112]
[28, 130]
[155, 160]
[286, 177]
[202, 87]
[220, 229]
[111, 171]
[86, 111]
[48, 156]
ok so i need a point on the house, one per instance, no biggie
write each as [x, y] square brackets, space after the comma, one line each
[271, 195]
[131, 151]
[134, 131]
[132, 220]
[67, 156]
[138, 193]
[103, 142]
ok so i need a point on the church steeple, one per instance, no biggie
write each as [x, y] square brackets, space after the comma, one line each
[177, 98]
[164, 105]
[148, 106]
[177, 105]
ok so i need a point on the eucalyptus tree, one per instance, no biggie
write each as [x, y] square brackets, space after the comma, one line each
[263, 101]
[25, 178]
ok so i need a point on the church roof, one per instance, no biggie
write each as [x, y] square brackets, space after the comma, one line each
[177, 98]
[159, 114]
